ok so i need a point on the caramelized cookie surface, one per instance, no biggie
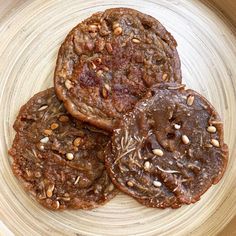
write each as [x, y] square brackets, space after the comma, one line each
[108, 61]
[59, 160]
[169, 150]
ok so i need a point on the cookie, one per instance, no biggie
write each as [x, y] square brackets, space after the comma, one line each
[169, 150]
[107, 63]
[59, 160]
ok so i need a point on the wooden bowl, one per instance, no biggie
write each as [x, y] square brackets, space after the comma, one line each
[30, 35]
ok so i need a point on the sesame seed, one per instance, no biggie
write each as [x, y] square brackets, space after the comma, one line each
[130, 184]
[190, 100]
[68, 84]
[157, 183]
[177, 126]
[185, 139]
[215, 142]
[147, 165]
[118, 30]
[69, 156]
[158, 152]
[211, 129]
[44, 140]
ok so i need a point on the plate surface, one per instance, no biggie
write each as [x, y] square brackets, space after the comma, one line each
[30, 36]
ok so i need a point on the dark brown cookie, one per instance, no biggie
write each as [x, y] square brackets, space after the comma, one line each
[169, 150]
[59, 161]
[108, 61]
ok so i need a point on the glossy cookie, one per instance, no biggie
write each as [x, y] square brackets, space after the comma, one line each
[59, 161]
[169, 150]
[108, 61]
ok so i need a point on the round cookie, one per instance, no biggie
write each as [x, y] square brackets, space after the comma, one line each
[59, 160]
[108, 61]
[169, 150]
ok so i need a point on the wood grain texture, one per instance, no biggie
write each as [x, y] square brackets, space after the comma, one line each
[30, 35]
[230, 229]
[228, 7]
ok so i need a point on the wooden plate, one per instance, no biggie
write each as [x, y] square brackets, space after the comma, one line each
[30, 35]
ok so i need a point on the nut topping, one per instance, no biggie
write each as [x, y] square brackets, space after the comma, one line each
[77, 141]
[211, 129]
[215, 143]
[93, 28]
[68, 84]
[164, 77]
[158, 152]
[147, 165]
[134, 40]
[69, 156]
[43, 108]
[157, 183]
[99, 73]
[107, 87]
[47, 132]
[92, 65]
[190, 100]
[130, 184]
[208, 145]
[117, 31]
[104, 92]
[64, 118]
[177, 126]
[57, 205]
[54, 126]
[44, 140]
[48, 162]
[50, 190]
[111, 187]
[115, 25]
[185, 139]
[98, 60]
[109, 48]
